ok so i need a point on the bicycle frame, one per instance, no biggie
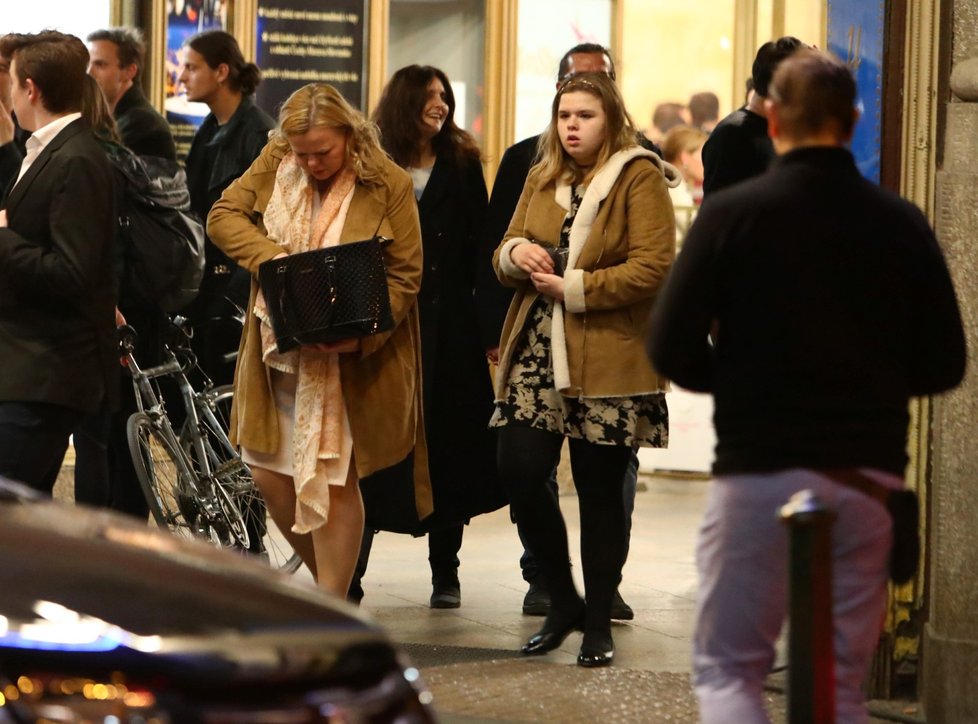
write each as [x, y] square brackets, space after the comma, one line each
[147, 401]
[194, 472]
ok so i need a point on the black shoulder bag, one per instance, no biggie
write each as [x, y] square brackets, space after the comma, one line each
[326, 295]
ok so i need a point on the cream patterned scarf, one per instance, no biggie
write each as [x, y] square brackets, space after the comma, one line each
[321, 444]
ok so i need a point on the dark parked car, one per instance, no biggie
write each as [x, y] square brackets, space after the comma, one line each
[106, 620]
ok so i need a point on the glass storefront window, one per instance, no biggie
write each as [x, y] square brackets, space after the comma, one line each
[448, 34]
[672, 50]
[546, 30]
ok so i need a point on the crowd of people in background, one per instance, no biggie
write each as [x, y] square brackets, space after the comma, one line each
[776, 305]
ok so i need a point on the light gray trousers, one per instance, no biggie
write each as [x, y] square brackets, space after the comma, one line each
[742, 558]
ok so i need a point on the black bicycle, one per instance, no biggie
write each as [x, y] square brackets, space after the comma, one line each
[194, 480]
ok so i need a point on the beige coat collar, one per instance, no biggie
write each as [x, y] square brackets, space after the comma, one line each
[597, 191]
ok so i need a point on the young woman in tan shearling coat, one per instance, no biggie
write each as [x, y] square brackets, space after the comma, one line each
[572, 360]
[313, 422]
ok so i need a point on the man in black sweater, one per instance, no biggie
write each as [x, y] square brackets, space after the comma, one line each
[830, 305]
[739, 147]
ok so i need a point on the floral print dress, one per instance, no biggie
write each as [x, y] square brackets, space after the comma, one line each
[531, 398]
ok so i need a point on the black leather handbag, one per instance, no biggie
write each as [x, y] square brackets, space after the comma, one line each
[326, 295]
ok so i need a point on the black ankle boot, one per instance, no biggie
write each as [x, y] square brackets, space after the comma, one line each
[445, 591]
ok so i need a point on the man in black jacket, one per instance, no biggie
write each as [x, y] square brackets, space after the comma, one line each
[57, 282]
[494, 298]
[830, 305]
[115, 64]
[739, 147]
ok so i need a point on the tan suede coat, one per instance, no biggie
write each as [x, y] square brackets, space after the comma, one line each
[381, 383]
[622, 244]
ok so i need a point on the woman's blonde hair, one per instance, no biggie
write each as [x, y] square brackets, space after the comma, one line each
[319, 105]
[620, 132]
[680, 139]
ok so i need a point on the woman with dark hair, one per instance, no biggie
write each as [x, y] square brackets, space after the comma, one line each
[416, 116]
[230, 138]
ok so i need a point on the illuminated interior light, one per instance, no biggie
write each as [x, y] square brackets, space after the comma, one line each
[140, 700]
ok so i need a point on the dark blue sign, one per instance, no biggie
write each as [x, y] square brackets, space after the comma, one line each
[855, 35]
[310, 41]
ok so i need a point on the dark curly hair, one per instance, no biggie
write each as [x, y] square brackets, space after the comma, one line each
[398, 116]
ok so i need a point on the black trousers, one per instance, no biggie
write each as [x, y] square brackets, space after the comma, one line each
[33, 440]
[527, 457]
[528, 562]
[443, 547]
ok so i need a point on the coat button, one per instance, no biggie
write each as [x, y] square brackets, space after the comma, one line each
[434, 267]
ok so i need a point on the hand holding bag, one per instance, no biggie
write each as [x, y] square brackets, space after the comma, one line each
[326, 295]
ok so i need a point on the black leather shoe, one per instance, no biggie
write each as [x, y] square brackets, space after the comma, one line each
[595, 659]
[445, 593]
[536, 602]
[621, 611]
[596, 650]
[551, 636]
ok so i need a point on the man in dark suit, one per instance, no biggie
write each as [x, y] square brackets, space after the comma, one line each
[494, 298]
[57, 285]
[115, 64]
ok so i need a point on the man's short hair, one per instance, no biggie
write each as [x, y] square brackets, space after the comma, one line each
[666, 116]
[768, 57]
[128, 41]
[56, 62]
[564, 66]
[814, 92]
[703, 108]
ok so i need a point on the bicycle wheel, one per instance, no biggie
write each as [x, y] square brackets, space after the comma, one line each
[164, 478]
[234, 478]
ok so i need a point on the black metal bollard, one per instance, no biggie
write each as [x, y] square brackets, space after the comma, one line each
[811, 666]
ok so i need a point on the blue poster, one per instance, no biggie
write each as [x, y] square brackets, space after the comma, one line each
[855, 35]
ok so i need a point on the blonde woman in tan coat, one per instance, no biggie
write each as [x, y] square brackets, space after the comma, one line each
[587, 250]
[313, 422]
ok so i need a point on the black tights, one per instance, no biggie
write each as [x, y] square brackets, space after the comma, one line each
[526, 458]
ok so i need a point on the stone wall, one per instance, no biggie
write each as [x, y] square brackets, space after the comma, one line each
[950, 658]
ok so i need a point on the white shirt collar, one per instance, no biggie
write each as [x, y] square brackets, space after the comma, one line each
[45, 134]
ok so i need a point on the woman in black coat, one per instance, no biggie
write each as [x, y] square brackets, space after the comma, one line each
[416, 119]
